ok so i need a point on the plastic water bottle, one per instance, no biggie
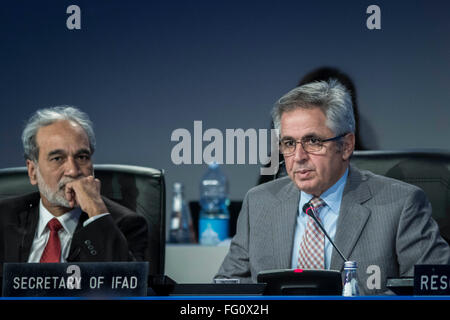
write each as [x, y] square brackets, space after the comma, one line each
[181, 227]
[214, 217]
[350, 280]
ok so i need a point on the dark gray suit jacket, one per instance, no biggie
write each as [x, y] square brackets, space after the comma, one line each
[382, 222]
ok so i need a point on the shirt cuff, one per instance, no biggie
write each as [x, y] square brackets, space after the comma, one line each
[92, 219]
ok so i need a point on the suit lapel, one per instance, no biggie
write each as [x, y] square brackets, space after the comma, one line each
[20, 226]
[83, 217]
[74, 250]
[14, 237]
[352, 217]
[30, 221]
[19, 234]
[284, 225]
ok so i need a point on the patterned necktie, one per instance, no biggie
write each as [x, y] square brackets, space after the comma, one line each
[52, 251]
[311, 254]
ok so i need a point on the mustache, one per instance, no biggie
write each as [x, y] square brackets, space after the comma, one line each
[303, 168]
[65, 180]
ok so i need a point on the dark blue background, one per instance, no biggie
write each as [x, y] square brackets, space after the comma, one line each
[142, 69]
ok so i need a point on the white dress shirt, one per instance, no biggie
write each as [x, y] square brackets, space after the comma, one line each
[69, 222]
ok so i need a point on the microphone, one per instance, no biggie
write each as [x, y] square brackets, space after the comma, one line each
[306, 208]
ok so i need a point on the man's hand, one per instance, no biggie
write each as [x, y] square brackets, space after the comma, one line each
[85, 192]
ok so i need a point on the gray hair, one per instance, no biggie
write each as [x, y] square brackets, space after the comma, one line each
[330, 96]
[47, 116]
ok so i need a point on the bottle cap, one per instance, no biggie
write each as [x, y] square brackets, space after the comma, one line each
[350, 265]
[177, 187]
[213, 165]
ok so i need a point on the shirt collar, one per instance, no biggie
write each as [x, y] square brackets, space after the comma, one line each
[68, 220]
[332, 196]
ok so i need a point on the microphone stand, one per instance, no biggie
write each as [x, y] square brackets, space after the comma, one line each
[323, 230]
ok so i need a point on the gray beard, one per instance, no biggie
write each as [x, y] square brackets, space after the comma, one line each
[57, 197]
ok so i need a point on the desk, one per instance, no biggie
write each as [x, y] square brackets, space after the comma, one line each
[191, 263]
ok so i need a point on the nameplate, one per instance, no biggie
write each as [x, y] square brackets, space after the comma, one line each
[431, 280]
[84, 279]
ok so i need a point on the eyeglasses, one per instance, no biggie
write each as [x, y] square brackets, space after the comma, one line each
[311, 144]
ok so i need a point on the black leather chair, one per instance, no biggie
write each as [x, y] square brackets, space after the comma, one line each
[138, 188]
[427, 169]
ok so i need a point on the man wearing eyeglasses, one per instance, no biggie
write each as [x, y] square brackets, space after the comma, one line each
[373, 220]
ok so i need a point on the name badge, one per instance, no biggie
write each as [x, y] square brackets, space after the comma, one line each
[431, 280]
[85, 279]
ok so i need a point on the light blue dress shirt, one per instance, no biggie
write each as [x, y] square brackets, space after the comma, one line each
[328, 215]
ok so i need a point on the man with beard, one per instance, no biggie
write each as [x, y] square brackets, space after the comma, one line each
[374, 220]
[67, 220]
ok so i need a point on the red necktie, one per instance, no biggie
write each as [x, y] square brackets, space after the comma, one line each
[52, 251]
[311, 255]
